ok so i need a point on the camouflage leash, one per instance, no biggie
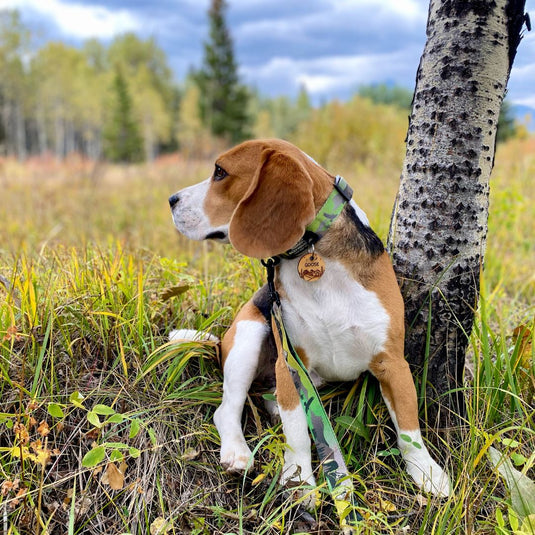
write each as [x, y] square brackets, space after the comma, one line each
[330, 455]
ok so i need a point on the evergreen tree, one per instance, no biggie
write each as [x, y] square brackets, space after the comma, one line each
[507, 126]
[123, 142]
[224, 101]
[387, 94]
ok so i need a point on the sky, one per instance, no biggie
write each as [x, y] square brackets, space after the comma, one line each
[330, 46]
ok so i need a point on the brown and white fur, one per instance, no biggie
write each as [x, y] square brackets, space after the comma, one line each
[260, 199]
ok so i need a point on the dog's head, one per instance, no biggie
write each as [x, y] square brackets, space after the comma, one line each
[260, 198]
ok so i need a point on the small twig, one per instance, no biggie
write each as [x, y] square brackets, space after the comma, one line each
[5, 516]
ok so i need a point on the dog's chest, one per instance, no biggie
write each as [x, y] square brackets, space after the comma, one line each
[339, 324]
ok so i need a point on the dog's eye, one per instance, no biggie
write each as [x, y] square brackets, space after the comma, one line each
[219, 173]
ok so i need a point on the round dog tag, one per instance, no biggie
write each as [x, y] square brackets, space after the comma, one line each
[311, 267]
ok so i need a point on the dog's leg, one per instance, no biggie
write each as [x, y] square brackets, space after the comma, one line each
[297, 457]
[241, 352]
[399, 393]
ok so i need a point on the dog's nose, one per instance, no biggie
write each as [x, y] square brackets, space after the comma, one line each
[174, 199]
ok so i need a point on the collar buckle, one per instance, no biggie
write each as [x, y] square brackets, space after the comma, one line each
[345, 190]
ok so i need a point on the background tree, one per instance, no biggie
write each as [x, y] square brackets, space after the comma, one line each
[14, 43]
[62, 82]
[402, 98]
[145, 67]
[357, 133]
[123, 142]
[439, 224]
[193, 136]
[224, 101]
[387, 94]
[280, 116]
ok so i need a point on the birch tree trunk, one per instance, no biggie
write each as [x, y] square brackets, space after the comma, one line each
[439, 223]
[8, 128]
[20, 131]
[41, 129]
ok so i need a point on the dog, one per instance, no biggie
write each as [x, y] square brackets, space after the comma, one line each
[262, 198]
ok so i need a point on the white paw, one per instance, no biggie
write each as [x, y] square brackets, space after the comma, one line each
[420, 465]
[295, 473]
[308, 497]
[429, 476]
[301, 483]
[236, 458]
[191, 335]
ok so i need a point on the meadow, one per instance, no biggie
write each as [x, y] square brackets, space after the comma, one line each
[106, 428]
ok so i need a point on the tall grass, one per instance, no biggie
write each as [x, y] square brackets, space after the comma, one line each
[107, 428]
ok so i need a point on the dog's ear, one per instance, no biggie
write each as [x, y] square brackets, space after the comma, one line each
[272, 215]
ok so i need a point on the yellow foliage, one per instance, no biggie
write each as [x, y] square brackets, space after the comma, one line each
[355, 134]
[41, 454]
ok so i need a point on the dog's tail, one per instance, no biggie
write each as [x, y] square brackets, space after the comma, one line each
[191, 335]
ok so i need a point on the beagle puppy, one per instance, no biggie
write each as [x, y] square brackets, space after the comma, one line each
[262, 198]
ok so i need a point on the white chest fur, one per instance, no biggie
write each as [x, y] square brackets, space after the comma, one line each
[339, 324]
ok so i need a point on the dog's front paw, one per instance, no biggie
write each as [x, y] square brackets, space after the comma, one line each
[294, 474]
[429, 476]
[302, 484]
[420, 465]
[306, 496]
[237, 458]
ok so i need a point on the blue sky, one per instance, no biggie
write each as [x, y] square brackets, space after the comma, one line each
[330, 46]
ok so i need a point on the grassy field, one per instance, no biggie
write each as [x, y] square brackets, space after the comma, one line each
[105, 428]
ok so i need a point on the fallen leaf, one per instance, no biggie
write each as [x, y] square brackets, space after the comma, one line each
[522, 336]
[43, 429]
[113, 476]
[160, 526]
[32, 406]
[41, 453]
[12, 334]
[21, 432]
[422, 500]
[82, 505]
[190, 454]
[259, 478]
[41, 456]
[521, 487]
[174, 291]
[16, 500]
[9, 486]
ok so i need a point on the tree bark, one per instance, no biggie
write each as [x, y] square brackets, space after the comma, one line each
[439, 223]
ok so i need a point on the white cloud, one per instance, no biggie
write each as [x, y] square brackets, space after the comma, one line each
[528, 101]
[82, 21]
[338, 74]
[407, 9]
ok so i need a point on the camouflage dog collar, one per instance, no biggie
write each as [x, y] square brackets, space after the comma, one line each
[327, 214]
